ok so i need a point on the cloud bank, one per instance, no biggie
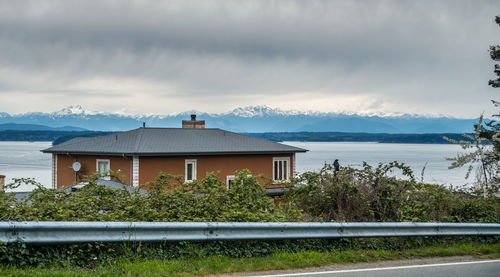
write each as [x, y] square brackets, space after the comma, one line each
[424, 57]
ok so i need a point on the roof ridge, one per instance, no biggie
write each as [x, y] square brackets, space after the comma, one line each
[180, 128]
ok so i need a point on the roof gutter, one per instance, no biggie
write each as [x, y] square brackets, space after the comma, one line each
[177, 153]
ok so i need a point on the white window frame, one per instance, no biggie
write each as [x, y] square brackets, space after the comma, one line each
[97, 161]
[232, 177]
[277, 159]
[186, 162]
[229, 178]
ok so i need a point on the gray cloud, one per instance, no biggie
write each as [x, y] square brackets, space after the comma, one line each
[426, 57]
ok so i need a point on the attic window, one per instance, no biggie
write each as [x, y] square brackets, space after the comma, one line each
[190, 171]
[281, 169]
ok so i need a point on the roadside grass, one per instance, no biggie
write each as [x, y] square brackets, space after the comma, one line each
[282, 260]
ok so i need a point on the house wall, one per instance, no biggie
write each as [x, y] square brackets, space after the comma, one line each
[225, 165]
[150, 167]
[66, 175]
[2, 182]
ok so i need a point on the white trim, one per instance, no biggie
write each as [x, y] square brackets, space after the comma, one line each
[54, 171]
[277, 159]
[135, 171]
[376, 269]
[97, 167]
[186, 162]
[229, 178]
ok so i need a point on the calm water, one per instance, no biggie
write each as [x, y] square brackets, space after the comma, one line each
[414, 155]
[24, 159]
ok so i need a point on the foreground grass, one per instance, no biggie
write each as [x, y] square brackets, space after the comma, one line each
[223, 264]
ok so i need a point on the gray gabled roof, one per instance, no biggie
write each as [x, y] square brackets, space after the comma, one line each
[23, 196]
[106, 183]
[171, 142]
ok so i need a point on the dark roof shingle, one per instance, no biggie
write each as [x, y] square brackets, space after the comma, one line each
[172, 141]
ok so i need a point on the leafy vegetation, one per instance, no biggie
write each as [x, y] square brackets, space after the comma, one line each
[491, 130]
[484, 146]
[366, 194]
[168, 199]
[217, 264]
[375, 194]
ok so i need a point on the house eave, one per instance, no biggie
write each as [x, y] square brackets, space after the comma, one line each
[170, 154]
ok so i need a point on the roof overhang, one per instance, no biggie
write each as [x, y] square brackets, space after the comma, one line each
[151, 154]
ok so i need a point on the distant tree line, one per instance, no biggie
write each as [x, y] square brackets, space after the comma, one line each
[58, 137]
[359, 137]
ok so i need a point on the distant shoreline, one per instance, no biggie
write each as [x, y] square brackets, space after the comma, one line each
[359, 137]
[437, 138]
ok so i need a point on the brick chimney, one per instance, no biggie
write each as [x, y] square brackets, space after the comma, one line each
[193, 123]
[2, 181]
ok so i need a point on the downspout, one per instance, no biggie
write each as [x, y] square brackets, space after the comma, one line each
[131, 174]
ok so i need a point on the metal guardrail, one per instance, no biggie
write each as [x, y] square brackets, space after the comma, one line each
[78, 232]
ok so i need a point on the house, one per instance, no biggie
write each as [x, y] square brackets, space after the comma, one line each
[106, 183]
[141, 154]
[2, 181]
[24, 195]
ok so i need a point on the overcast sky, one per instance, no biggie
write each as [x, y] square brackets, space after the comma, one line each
[164, 57]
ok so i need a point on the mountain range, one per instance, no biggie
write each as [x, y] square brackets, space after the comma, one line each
[244, 119]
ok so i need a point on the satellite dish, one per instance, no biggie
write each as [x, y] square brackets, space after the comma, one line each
[76, 166]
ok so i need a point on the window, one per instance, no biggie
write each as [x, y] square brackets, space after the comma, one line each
[281, 169]
[229, 181]
[190, 170]
[103, 166]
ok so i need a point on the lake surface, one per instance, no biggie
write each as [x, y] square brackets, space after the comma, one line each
[24, 159]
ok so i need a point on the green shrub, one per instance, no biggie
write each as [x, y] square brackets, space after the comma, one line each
[370, 194]
[366, 194]
[168, 200]
[429, 202]
[88, 255]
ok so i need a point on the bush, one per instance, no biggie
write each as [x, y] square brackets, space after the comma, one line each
[367, 194]
[168, 200]
[370, 194]
[94, 254]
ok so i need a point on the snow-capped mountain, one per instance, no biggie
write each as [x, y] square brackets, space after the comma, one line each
[249, 119]
[70, 110]
[260, 111]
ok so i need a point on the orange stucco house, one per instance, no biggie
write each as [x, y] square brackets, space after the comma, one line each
[191, 151]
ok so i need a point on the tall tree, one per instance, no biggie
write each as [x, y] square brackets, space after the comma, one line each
[491, 132]
[483, 148]
[495, 55]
